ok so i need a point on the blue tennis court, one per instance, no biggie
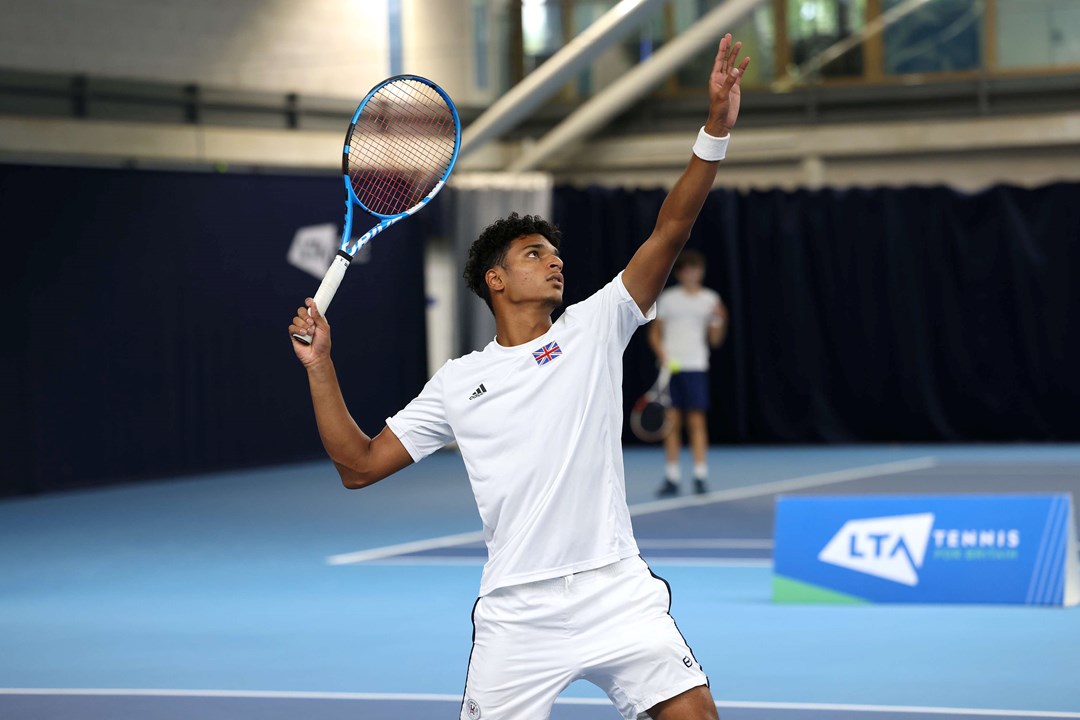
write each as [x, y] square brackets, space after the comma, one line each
[277, 594]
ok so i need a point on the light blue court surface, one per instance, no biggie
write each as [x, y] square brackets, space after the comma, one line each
[278, 594]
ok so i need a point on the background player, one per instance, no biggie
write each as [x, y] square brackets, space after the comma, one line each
[690, 319]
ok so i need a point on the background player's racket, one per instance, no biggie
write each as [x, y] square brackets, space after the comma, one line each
[401, 145]
[649, 419]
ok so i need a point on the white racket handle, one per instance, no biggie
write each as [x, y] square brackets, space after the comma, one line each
[664, 379]
[328, 288]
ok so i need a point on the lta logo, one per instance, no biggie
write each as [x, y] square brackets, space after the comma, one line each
[891, 548]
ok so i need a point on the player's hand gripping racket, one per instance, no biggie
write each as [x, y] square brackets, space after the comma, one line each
[401, 145]
[649, 419]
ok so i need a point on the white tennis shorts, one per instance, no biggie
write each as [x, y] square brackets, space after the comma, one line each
[609, 626]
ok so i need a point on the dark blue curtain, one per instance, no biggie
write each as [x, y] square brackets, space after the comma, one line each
[146, 317]
[880, 315]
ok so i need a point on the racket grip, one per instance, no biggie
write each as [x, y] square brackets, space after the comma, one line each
[328, 288]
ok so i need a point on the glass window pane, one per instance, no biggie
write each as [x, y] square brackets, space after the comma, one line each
[940, 36]
[757, 32]
[816, 25]
[481, 38]
[1033, 33]
[611, 64]
[541, 31]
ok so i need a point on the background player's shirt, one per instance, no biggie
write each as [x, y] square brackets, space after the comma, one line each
[539, 427]
[685, 317]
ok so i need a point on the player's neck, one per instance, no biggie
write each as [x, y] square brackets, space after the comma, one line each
[692, 289]
[521, 325]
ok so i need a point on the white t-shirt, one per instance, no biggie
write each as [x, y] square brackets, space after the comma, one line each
[686, 317]
[539, 427]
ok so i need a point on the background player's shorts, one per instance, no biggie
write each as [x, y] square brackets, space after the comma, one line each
[609, 626]
[690, 390]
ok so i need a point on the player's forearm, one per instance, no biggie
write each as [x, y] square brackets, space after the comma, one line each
[344, 441]
[716, 335]
[718, 325]
[683, 205]
[651, 265]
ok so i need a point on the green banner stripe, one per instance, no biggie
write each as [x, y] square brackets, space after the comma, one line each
[786, 590]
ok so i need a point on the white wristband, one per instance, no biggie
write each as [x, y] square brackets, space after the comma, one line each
[710, 148]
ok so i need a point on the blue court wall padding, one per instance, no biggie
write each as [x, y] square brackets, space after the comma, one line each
[147, 322]
[877, 315]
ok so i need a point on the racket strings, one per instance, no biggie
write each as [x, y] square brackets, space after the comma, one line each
[406, 179]
[401, 146]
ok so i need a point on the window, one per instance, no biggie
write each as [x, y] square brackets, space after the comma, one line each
[757, 32]
[940, 36]
[541, 31]
[784, 36]
[814, 26]
[1035, 33]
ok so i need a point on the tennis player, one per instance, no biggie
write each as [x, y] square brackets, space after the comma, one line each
[690, 318]
[537, 415]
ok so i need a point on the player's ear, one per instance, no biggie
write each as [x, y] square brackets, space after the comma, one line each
[494, 279]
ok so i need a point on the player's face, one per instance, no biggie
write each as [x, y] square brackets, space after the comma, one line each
[691, 275]
[533, 271]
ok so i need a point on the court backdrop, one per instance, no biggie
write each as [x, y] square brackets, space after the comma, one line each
[148, 306]
[152, 313]
[916, 314]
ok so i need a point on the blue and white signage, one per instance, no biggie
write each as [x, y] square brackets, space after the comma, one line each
[927, 549]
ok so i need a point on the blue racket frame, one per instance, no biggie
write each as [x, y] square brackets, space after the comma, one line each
[351, 199]
[348, 249]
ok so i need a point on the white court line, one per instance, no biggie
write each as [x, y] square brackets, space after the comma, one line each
[779, 486]
[405, 548]
[432, 560]
[711, 561]
[424, 697]
[898, 709]
[708, 544]
[475, 560]
[397, 552]
[271, 694]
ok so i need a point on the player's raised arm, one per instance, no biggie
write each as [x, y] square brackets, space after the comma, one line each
[648, 270]
[360, 460]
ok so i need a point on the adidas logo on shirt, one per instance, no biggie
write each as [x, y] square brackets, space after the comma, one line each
[478, 392]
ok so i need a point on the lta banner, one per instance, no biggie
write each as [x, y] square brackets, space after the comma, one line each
[927, 549]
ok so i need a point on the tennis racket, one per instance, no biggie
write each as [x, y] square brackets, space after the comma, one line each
[649, 419]
[400, 147]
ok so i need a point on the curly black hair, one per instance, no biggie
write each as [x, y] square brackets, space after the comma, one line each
[490, 248]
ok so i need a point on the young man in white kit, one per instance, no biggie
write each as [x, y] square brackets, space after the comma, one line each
[690, 318]
[537, 415]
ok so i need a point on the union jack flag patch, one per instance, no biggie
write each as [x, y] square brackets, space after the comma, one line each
[547, 353]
